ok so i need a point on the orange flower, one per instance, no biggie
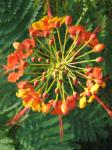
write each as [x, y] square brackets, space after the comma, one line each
[71, 102]
[12, 61]
[15, 61]
[83, 35]
[57, 108]
[99, 47]
[97, 73]
[64, 108]
[73, 30]
[45, 24]
[29, 44]
[45, 108]
[29, 96]
[17, 71]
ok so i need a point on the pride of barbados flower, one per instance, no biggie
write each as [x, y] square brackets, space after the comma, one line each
[56, 60]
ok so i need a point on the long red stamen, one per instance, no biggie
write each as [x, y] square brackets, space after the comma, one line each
[61, 128]
[97, 29]
[103, 105]
[18, 116]
[49, 12]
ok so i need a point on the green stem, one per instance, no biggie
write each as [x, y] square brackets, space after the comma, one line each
[81, 48]
[60, 41]
[44, 47]
[84, 54]
[70, 83]
[76, 67]
[71, 47]
[40, 65]
[65, 38]
[85, 61]
[43, 54]
[81, 17]
[50, 86]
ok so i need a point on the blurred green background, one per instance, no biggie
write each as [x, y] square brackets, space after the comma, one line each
[87, 129]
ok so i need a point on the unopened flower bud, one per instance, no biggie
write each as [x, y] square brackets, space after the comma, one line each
[43, 79]
[68, 20]
[45, 95]
[33, 59]
[98, 48]
[92, 37]
[46, 34]
[57, 24]
[99, 59]
[75, 95]
[57, 90]
[75, 81]
[51, 41]
[35, 83]
[60, 81]
[88, 70]
[40, 59]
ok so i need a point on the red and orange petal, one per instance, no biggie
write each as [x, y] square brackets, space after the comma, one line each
[14, 76]
[23, 53]
[94, 42]
[45, 24]
[65, 108]
[45, 108]
[36, 105]
[22, 84]
[99, 47]
[72, 30]
[27, 54]
[57, 109]
[33, 32]
[12, 61]
[97, 73]
[71, 102]
[27, 100]
[29, 43]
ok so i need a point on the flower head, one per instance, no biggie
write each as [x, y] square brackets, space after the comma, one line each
[61, 74]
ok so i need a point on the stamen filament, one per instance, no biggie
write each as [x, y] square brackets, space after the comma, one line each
[84, 54]
[50, 86]
[85, 61]
[44, 47]
[60, 41]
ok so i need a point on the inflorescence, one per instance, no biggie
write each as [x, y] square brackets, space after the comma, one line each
[56, 61]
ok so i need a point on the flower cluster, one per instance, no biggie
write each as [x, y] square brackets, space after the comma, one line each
[16, 63]
[57, 61]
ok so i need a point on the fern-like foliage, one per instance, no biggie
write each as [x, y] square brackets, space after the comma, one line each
[15, 18]
[36, 131]
[41, 132]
